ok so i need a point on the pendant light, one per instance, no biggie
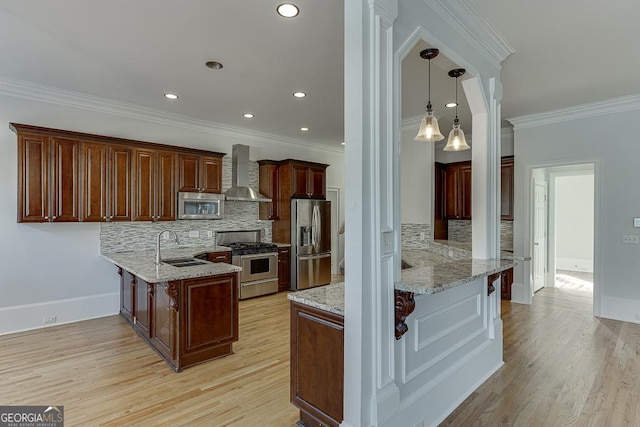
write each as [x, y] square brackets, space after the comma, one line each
[456, 141]
[429, 129]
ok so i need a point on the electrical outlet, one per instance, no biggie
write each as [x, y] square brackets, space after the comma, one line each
[166, 235]
[422, 237]
[194, 233]
[387, 242]
[630, 239]
[49, 320]
[209, 233]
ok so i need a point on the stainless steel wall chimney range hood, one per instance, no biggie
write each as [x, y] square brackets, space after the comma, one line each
[240, 190]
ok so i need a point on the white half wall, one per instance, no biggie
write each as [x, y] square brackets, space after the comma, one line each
[56, 269]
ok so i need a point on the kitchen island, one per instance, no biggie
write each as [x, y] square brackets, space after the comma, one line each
[188, 314]
[448, 330]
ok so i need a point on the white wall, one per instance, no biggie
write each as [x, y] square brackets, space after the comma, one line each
[417, 178]
[56, 269]
[574, 222]
[605, 141]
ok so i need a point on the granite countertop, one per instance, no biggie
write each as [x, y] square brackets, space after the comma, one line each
[427, 279]
[143, 265]
[328, 298]
[429, 273]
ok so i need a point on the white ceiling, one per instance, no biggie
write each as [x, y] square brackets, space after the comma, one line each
[566, 53]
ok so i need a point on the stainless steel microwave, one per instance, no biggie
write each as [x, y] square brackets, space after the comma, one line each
[200, 205]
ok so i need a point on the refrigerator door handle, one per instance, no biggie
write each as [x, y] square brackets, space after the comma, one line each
[315, 222]
[308, 257]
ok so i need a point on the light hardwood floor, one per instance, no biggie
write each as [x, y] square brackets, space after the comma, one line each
[563, 367]
[105, 375]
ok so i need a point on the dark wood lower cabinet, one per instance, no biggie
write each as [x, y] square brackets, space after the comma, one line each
[284, 268]
[317, 365]
[505, 284]
[186, 321]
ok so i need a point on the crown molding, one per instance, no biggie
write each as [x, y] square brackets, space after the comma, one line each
[37, 92]
[468, 21]
[584, 111]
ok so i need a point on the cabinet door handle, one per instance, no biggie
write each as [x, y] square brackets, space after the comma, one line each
[53, 217]
[47, 218]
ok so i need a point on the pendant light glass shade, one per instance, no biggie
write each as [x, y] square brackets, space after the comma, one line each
[429, 129]
[456, 141]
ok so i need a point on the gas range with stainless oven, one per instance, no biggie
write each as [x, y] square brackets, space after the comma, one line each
[259, 261]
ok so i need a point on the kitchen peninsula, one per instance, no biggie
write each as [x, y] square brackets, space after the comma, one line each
[448, 331]
[188, 314]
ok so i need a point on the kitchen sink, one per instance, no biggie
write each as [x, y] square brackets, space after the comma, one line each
[184, 262]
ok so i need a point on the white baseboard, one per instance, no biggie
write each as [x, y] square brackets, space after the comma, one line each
[574, 264]
[624, 309]
[31, 316]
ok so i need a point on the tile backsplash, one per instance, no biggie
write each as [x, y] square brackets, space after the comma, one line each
[460, 231]
[140, 236]
[411, 238]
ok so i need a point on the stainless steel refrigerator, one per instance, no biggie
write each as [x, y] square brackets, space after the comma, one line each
[310, 243]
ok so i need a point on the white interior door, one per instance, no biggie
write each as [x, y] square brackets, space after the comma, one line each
[539, 258]
[333, 195]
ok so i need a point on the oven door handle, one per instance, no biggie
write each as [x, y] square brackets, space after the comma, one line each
[262, 255]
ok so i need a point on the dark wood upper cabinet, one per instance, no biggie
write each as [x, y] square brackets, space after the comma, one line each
[286, 179]
[106, 182]
[453, 192]
[48, 179]
[154, 185]
[269, 186]
[71, 176]
[308, 181]
[465, 191]
[200, 174]
[506, 188]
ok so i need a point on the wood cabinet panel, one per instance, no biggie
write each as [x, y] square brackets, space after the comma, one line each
[505, 284]
[211, 306]
[127, 294]
[284, 269]
[33, 178]
[506, 188]
[219, 257]
[269, 185]
[144, 176]
[465, 191]
[200, 174]
[165, 186]
[65, 188]
[119, 184]
[142, 314]
[440, 230]
[164, 326]
[211, 180]
[317, 363]
[451, 193]
[299, 181]
[95, 159]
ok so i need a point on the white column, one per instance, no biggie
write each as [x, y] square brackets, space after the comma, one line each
[372, 238]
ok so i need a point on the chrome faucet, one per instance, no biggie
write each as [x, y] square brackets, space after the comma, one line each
[158, 260]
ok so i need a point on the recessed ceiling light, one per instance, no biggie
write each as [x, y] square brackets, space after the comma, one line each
[171, 96]
[247, 116]
[450, 105]
[214, 65]
[299, 94]
[303, 129]
[288, 10]
[342, 143]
